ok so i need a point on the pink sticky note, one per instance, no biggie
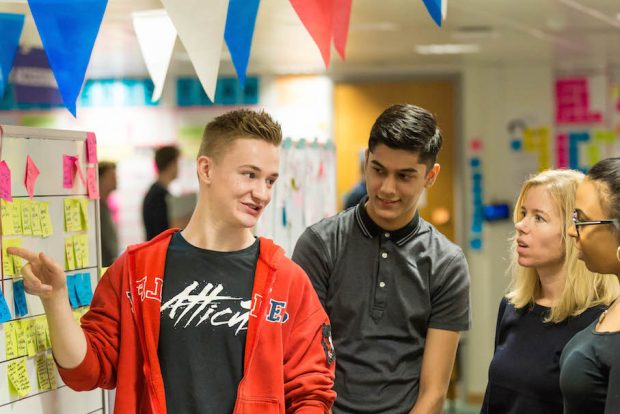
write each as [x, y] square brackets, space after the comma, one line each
[91, 148]
[32, 172]
[91, 179]
[79, 171]
[68, 170]
[5, 182]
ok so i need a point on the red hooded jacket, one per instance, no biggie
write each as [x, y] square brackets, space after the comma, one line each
[288, 365]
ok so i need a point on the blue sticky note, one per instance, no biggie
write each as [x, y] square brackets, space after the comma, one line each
[19, 298]
[5, 313]
[84, 288]
[73, 299]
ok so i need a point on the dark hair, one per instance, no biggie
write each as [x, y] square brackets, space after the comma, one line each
[410, 128]
[607, 172]
[165, 156]
[105, 166]
[240, 123]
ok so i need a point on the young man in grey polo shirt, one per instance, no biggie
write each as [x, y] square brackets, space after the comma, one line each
[396, 290]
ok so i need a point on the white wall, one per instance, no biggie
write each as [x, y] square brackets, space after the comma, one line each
[493, 94]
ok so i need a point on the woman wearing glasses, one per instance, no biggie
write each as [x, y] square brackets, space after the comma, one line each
[590, 377]
[552, 296]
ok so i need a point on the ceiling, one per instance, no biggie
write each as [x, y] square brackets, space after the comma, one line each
[383, 35]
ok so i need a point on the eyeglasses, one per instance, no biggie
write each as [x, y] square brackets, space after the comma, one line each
[578, 223]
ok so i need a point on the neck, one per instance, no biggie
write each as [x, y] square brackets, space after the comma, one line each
[390, 225]
[552, 283]
[164, 179]
[206, 231]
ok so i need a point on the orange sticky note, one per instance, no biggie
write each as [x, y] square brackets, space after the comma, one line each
[32, 172]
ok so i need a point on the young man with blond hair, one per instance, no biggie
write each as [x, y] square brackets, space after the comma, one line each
[209, 319]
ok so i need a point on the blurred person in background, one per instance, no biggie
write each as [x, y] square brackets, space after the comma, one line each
[109, 237]
[551, 297]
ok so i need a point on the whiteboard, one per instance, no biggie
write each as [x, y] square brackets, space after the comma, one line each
[46, 148]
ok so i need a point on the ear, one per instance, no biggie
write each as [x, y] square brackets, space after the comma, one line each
[204, 167]
[432, 175]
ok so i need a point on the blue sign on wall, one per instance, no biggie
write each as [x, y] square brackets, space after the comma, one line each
[228, 92]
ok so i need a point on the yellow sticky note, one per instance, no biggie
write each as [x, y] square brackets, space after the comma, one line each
[593, 154]
[16, 217]
[69, 225]
[7, 217]
[85, 255]
[69, 256]
[10, 340]
[29, 327]
[25, 209]
[83, 213]
[41, 333]
[605, 136]
[46, 221]
[77, 315]
[17, 261]
[20, 335]
[77, 251]
[7, 260]
[18, 377]
[51, 371]
[35, 219]
[43, 377]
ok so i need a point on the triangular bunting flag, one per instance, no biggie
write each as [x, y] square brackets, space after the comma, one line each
[444, 9]
[156, 35]
[200, 24]
[317, 15]
[434, 8]
[68, 33]
[342, 15]
[239, 31]
[11, 26]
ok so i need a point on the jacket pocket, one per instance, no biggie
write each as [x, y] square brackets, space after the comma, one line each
[257, 406]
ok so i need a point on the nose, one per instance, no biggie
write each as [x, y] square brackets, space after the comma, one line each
[521, 226]
[388, 186]
[261, 192]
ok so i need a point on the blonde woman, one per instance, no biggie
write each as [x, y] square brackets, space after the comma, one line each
[551, 297]
[590, 378]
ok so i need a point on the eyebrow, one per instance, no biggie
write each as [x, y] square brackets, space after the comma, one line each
[255, 168]
[404, 170]
[536, 210]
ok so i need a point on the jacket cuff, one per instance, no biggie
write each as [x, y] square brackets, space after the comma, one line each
[84, 376]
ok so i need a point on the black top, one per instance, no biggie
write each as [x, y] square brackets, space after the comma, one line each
[524, 375]
[204, 318]
[382, 290]
[155, 211]
[590, 377]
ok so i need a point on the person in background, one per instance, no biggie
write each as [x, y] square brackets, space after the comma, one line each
[154, 205]
[551, 297]
[109, 238]
[209, 319]
[590, 363]
[358, 192]
[396, 290]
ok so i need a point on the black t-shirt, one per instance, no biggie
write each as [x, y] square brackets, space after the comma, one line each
[155, 211]
[204, 318]
[590, 377]
[524, 375]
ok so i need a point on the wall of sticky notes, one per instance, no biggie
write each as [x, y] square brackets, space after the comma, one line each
[48, 202]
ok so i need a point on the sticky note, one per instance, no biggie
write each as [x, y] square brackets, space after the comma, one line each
[43, 378]
[16, 217]
[68, 170]
[71, 288]
[32, 172]
[41, 329]
[78, 168]
[10, 340]
[22, 346]
[84, 288]
[5, 181]
[35, 219]
[5, 313]
[82, 241]
[51, 371]
[19, 297]
[28, 327]
[91, 148]
[83, 213]
[7, 217]
[91, 183]
[7, 260]
[69, 256]
[46, 221]
[25, 207]
[18, 377]
[72, 222]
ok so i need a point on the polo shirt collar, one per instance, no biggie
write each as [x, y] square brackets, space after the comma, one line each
[370, 229]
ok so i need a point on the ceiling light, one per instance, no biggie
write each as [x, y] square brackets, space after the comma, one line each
[447, 49]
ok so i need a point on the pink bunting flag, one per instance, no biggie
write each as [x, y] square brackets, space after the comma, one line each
[32, 172]
[317, 17]
[91, 148]
[91, 179]
[5, 182]
[68, 170]
[342, 15]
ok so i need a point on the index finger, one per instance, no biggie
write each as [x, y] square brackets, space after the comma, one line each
[23, 253]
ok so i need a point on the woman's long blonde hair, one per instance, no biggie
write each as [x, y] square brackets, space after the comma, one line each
[583, 289]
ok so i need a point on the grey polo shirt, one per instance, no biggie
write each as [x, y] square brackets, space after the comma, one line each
[382, 290]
